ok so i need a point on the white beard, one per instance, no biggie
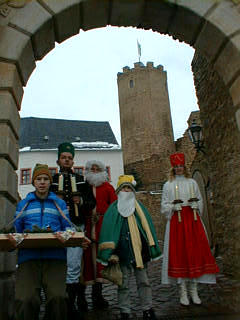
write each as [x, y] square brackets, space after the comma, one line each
[126, 203]
[96, 179]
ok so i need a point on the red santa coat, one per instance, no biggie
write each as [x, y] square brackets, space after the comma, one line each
[105, 195]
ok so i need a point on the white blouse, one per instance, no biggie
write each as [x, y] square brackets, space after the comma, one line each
[180, 188]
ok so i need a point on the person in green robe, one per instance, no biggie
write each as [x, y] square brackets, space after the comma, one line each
[128, 236]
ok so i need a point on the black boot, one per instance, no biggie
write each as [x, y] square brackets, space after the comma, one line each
[149, 315]
[72, 294]
[97, 298]
[81, 298]
[124, 316]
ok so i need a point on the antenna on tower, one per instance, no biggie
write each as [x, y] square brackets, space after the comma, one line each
[139, 50]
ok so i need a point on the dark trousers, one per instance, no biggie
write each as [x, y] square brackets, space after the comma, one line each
[33, 275]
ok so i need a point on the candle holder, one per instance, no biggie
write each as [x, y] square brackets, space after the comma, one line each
[76, 193]
[61, 193]
[193, 199]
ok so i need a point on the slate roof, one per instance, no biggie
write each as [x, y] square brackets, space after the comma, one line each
[44, 133]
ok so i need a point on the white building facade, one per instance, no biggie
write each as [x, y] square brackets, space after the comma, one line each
[27, 159]
[40, 150]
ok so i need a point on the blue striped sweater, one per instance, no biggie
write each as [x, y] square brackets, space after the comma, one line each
[42, 213]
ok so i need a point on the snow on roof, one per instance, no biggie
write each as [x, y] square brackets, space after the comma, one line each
[25, 149]
[97, 145]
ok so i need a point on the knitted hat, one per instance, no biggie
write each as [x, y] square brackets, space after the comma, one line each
[126, 180]
[177, 159]
[41, 169]
[66, 147]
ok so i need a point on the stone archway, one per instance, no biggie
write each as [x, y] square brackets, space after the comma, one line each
[28, 31]
[202, 186]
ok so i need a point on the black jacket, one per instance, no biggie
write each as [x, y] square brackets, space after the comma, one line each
[84, 190]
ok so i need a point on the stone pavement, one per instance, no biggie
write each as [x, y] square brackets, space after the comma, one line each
[219, 301]
[216, 299]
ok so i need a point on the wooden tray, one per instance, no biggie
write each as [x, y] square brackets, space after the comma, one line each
[42, 240]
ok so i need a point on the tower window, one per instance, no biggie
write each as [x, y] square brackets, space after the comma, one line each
[131, 83]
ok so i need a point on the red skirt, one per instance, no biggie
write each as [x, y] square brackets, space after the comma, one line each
[189, 252]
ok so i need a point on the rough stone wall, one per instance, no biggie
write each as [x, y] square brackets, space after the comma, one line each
[152, 172]
[147, 135]
[222, 145]
[184, 145]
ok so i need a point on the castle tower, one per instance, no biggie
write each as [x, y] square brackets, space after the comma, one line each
[146, 125]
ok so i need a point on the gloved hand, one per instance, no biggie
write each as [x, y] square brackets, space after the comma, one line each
[114, 259]
[194, 205]
[177, 207]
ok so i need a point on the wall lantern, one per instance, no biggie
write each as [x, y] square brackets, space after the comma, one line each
[196, 137]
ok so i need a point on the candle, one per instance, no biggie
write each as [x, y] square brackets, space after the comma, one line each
[74, 189]
[192, 195]
[73, 184]
[176, 192]
[60, 183]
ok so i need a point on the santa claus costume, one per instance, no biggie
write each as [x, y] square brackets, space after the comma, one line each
[96, 176]
[187, 255]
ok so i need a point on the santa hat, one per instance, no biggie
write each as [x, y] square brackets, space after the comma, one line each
[177, 159]
[91, 163]
[126, 180]
[41, 169]
[66, 147]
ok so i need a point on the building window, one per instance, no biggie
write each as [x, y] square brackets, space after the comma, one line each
[108, 170]
[53, 171]
[78, 170]
[25, 177]
[131, 83]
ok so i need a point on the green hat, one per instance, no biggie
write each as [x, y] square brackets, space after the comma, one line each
[41, 169]
[66, 147]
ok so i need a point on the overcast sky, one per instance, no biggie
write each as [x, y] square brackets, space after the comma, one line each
[78, 79]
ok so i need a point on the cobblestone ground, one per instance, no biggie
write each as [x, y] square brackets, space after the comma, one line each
[219, 301]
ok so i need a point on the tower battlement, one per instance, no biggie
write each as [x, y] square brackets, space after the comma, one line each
[139, 66]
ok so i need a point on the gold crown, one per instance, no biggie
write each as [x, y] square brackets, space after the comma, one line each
[126, 179]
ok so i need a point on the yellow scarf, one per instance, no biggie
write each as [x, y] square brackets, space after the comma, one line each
[135, 235]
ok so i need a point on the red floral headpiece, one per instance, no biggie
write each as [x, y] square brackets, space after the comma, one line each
[177, 159]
